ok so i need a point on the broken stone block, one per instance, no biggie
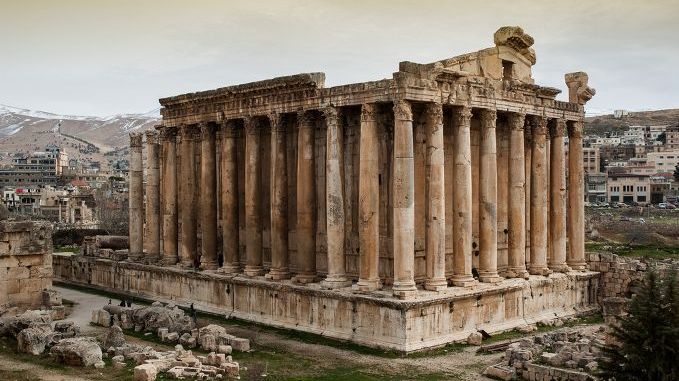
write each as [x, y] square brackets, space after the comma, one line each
[226, 349]
[77, 351]
[172, 337]
[475, 338]
[114, 337]
[499, 372]
[230, 368]
[208, 342]
[33, 340]
[51, 298]
[526, 328]
[145, 372]
[240, 344]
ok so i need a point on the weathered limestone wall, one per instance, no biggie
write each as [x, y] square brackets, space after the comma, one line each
[621, 275]
[429, 320]
[25, 262]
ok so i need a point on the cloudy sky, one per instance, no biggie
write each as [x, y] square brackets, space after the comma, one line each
[96, 57]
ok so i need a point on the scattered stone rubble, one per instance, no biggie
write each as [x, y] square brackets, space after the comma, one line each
[172, 326]
[564, 355]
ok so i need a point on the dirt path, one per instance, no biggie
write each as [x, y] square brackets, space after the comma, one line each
[11, 369]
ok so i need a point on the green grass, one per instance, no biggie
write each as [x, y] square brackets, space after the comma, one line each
[635, 251]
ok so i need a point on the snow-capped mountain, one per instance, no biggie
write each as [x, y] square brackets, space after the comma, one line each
[26, 130]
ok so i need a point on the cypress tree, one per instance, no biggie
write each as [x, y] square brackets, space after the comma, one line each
[645, 347]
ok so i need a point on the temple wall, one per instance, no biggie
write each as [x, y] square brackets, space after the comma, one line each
[430, 320]
[25, 262]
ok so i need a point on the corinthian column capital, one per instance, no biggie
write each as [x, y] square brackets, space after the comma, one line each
[368, 112]
[488, 118]
[168, 133]
[575, 129]
[538, 125]
[252, 125]
[402, 110]
[516, 121]
[462, 116]
[558, 128]
[135, 139]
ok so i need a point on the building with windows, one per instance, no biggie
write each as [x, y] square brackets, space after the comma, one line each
[629, 188]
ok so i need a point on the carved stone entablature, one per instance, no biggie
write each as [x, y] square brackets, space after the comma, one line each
[578, 91]
[515, 38]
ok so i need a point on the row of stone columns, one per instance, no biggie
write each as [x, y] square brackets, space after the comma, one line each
[527, 198]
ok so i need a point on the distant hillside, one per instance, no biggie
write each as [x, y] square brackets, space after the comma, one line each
[82, 137]
[601, 124]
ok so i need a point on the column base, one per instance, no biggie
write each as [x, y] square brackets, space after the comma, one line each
[436, 284]
[518, 272]
[464, 281]
[490, 277]
[278, 274]
[541, 270]
[560, 268]
[304, 278]
[253, 271]
[208, 266]
[367, 285]
[232, 268]
[169, 261]
[578, 266]
[335, 282]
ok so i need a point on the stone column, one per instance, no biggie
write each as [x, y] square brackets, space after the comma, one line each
[517, 199]
[404, 202]
[576, 203]
[306, 200]
[538, 204]
[152, 238]
[368, 201]
[334, 200]
[557, 210]
[488, 199]
[528, 167]
[186, 196]
[462, 199]
[253, 198]
[279, 200]
[136, 199]
[208, 198]
[169, 141]
[228, 172]
[435, 233]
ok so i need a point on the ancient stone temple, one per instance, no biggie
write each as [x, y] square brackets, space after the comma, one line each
[402, 213]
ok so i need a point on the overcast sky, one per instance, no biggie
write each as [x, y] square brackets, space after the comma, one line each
[95, 57]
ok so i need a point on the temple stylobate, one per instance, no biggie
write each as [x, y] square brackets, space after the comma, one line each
[448, 180]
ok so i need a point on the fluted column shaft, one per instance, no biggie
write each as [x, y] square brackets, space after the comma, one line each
[576, 204]
[488, 198]
[229, 198]
[404, 201]
[208, 198]
[187, 190]
[517, 198]
[435, 233]
[368, 200]
[152, 238]
[557, 206]
[169, 143]
[334, 200]
[306, 199]
[279, 200]
[528, 167]
[253, 198]
[538, 214]
[136, 199]
[462, 199]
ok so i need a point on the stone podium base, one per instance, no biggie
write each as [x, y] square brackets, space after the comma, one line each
[375, 319]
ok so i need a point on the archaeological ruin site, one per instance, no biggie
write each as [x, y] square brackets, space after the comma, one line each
[403, 213]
